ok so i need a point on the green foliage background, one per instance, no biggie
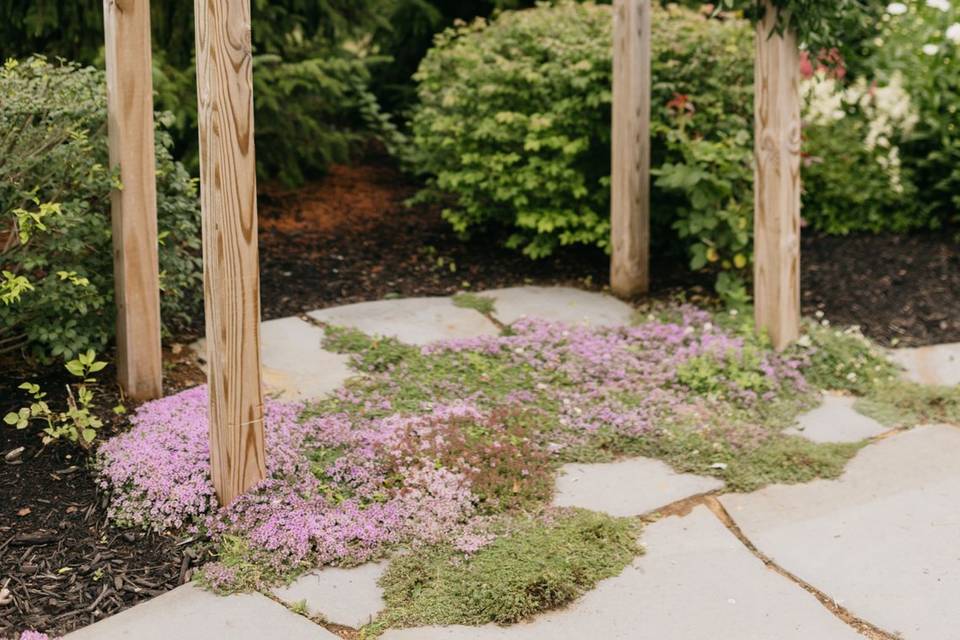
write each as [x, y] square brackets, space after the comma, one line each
[55, 184]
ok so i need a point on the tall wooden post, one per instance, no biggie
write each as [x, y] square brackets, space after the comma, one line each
[230, 262]
[630, 173]
[777, 182]
[134, 207]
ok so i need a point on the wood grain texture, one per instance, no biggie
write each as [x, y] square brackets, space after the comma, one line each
[777, 183]
[134, 208]
[630, 172]
[230, 260]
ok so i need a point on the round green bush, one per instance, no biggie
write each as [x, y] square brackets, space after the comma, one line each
[56, 257]
[513, 129]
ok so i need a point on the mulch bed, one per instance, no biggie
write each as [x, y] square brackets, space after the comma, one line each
[349, 238]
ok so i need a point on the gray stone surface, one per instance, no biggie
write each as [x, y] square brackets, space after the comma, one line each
[561, 304]
[883, 540]
[936, 364]
[294, 364]
[348, 597]
[411, 320]
[696, 582]
[836, 421]
[627, 488]
[189, 613]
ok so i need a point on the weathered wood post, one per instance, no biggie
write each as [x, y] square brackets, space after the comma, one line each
[230, 262]
[630, 172]
[777, 182]
[134, 207]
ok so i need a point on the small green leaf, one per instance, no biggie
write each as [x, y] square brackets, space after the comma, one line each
[11, 418]
[89, 435]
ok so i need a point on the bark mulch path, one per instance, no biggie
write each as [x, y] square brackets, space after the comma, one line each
[349, 238]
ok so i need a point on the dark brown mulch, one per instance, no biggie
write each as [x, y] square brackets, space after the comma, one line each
[350, 238]
[900, 289]
[64, 565]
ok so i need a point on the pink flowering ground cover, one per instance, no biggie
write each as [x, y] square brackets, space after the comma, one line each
[434, 444]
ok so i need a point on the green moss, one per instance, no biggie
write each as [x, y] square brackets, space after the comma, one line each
[539, 564]
[776, 459]
[483, 304]
[907, 404]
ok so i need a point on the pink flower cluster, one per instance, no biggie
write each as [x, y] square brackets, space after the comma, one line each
[345, 485]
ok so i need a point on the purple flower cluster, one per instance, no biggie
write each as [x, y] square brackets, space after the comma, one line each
[344, 486]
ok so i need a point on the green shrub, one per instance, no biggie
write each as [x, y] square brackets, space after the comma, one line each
[311, 63]
[514, 127]
[853, 174]
[55, 225]
[923, 45]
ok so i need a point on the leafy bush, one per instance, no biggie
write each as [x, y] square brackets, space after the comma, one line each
[921, 40]
[514, 124]
[310, 69]
[55, 226]
[853, 174]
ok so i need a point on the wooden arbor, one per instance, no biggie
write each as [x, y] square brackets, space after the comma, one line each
[776, 177]
[228, 198]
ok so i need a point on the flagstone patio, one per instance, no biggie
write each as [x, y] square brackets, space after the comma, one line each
[872, 554]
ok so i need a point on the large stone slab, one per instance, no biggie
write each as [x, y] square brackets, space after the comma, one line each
[835, 420]
[348, 597]
[189, 613]
[883, 540]
[560, 304]
[411, 320]
[696, 582]
[294, 364]
[937, 364]
[628, 487]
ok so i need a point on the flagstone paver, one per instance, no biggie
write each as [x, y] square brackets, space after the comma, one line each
[836, 421]
[696, 582]
[348, 597]
[936, 364]
[295, 366]
[189, 613]
[411, 320]
[628, 487]
[295, 363]
[883, 540]
[560, 304]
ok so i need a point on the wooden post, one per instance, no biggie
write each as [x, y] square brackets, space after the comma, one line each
[777, 182]
[230, 266]
[630, 172]
[134, 207]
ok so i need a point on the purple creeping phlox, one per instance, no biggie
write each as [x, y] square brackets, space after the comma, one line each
[345, 486]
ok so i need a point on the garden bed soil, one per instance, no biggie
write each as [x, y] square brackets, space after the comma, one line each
[350, 238]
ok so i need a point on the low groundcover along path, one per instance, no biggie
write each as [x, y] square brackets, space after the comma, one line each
[498, 456]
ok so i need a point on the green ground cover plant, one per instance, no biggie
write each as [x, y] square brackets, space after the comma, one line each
[539, 563]
[443, 456]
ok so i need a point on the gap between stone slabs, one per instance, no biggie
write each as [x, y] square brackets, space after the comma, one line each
[695, 582]
[881, 540]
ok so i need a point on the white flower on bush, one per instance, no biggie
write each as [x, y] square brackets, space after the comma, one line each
[953, 33]
[888, 110]
[943, 5]
[824, 103]
[930, 49]
[896, 8]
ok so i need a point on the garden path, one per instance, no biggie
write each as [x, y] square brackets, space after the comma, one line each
[871, 554]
